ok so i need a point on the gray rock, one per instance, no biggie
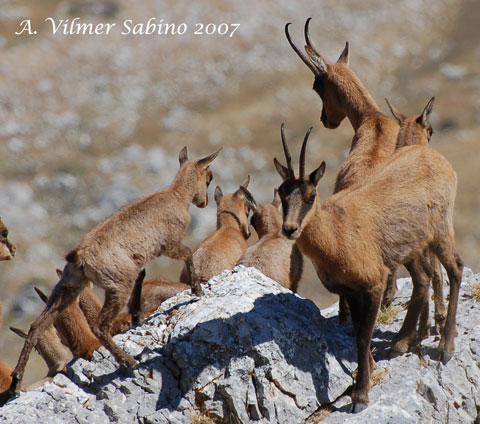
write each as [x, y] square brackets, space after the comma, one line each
[251, 351]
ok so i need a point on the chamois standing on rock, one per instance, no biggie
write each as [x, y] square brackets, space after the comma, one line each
[375, 140]
[276, 256]
[417, 130]
[359, 236]
[112, 255]
[223, 248]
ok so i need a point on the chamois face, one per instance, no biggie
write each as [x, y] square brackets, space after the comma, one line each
[236, 205]
[330, 80]
[298, 193]
[200, 175]
[7, 249]
[298, 198]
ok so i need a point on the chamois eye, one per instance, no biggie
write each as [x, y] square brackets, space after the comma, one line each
[5, 234]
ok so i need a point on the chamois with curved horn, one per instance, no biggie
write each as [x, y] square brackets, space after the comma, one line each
[359, 236]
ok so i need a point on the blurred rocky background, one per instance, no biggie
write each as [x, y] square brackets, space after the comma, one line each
[88, 123]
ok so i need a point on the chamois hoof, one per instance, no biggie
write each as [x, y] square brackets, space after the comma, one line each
[392, 353]
[446, 356]
[358, 407]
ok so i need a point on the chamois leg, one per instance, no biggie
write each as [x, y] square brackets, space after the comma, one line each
[402, 341]
[454, 266]
[183, 253]
[343, 310]
[365, 326]
[63, 294]
[438, 298]
[424, 321]
[135, 304]
[110, 310]
[390, 291]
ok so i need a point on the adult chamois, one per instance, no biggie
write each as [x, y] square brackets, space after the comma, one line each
[360, 235]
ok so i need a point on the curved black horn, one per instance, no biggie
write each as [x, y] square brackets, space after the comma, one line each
[304, 58]
[302, 153]
[287, 153]
[308, 40]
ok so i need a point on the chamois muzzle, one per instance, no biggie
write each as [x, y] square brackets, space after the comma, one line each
[290, 232]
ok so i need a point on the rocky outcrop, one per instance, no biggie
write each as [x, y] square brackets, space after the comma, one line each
[251, 351]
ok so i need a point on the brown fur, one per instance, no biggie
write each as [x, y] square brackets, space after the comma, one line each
[224, 247]
[113, 253]
[417, 130]
[5, 377]
[7, 248]
[276, 256]
[360, 235]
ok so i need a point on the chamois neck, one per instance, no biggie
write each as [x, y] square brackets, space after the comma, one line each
[358, 103]
[184, 185]
[227, 218]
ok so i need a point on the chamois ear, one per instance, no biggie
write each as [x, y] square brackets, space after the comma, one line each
[317, 60]
[19, 332]
[183, 156]
[207, 160]
[316, 175]
[59, 273]
[218, 195]
[41, 295]
[399, 117]
[243, 192]
[425, 116]
[246, 182]
[344, 56]
[282, 170]
[277, 201]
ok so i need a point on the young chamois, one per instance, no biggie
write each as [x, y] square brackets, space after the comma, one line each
[276, 256]
[344, 95]
[417, 130]
[7, 248]
[359, 236]
[113, 253]
[224, 247]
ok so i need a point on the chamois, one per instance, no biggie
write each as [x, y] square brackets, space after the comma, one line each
[417, 130]
[55, 354]
[360, 235]
[113, 253]
[276, 256]
[7, 248]
[344, 95]
[223, 248]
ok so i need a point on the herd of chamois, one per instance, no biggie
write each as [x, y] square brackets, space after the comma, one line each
[392, 205]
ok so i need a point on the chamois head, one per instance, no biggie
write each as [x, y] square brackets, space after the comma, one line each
[327, 78]
[236, 205]
[298, 193]
[7, 248]
[203, 173]
[268, 217]
[413, 129]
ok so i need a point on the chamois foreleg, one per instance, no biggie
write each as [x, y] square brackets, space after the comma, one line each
[183, 253]
[114, 303]
[364, 325]
[438, 298]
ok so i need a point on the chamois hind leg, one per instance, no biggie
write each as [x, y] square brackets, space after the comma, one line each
[110, 310]
[419, 300]
[365, 323]
[438, 298]
[390, 291]
[64, 293]
[183, 253]
[135, 304]
[453, 264]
